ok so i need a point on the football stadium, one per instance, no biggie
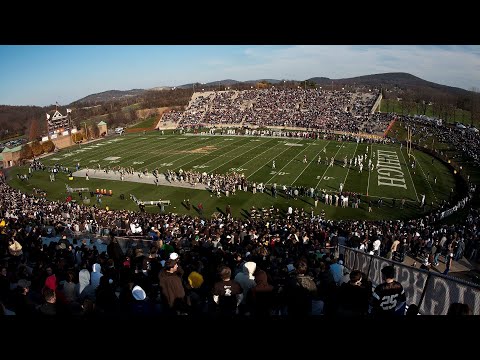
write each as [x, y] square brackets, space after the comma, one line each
[262, 201]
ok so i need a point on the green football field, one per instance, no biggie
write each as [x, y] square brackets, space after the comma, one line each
[252, 156]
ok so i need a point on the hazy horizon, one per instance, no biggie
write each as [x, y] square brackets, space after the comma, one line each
[43, 75]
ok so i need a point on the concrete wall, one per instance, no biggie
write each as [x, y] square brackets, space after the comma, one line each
[63, 141]
[10, 159]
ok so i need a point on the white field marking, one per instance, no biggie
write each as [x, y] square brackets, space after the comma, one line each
[284, 166]
[270, 148]
[421, 168]
[371, 196]
[112, 158]
[130, 149]
[293, 144]
[241, 154]
[316, 157]
[328, 167]
[348, 170]
[144, 138]
[166, 164]
[408, 170]
[76, 160]
[199, 166]
[93, 161]
[114, 161]
[115, 149]
[227, 139]
[182, 138]
[235, 148]
[55, 159]
[161, 138]
[269, 161]
[368, 183]
[101, 144]
[137, 162]
[196, 142]
[255, 140]
[204, 138]
[140, 144]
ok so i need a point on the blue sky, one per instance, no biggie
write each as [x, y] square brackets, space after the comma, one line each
[42, 75]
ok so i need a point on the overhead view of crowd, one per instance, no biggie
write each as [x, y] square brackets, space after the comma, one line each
[190, 265]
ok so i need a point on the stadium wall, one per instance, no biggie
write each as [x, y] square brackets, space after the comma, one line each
[62, 142]
[431, 292]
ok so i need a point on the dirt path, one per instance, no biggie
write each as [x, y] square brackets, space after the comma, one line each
[100, 174]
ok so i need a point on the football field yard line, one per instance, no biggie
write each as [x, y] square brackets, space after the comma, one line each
[97, 152]
[134, 155]
[369, 171]
[242, 154]
[306, 167]
[187, 147]
[328, 167]
[196, 159]
[428, 182]
[260, 167]
[182, 148]
[408, 170]
[148, 160]
[348, 170]
[284, 166]
[270, 148]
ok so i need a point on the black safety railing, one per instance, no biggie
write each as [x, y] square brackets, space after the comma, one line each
[431, 292]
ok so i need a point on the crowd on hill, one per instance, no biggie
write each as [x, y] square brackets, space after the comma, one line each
[463, 140]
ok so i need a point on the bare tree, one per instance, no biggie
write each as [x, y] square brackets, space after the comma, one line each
[34, 132]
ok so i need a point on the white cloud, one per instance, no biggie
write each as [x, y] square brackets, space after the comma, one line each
[449, 65]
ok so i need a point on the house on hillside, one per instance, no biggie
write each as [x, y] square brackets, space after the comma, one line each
[102, 126]
[10, 156]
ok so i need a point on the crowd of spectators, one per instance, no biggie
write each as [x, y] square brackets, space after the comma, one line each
[344, 110]
[283, 265]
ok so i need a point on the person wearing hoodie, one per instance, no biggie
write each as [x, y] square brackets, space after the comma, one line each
[85, 289]
[96, 275]
[246, 279]
[260, 298]
[172, 290]
[141, 305]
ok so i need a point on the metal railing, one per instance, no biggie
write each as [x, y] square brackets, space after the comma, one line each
[431, 292]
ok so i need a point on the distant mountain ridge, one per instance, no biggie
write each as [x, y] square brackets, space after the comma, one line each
[398, 79]
[109, 95]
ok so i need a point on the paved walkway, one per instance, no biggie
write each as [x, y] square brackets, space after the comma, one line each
[461, 268]
[100, 174]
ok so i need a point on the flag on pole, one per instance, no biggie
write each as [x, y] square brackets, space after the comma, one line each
[48, 116]
[69, 111]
